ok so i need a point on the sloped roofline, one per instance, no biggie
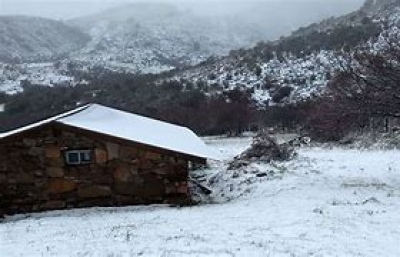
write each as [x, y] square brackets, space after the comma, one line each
[124, 141]
[57, 120]
[42, 123]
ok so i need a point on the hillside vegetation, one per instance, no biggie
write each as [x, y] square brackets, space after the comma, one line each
[28, 39]
[295, 83]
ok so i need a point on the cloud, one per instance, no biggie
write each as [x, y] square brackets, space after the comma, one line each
[65, 9]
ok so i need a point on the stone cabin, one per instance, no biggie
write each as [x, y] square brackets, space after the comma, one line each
[96, 156]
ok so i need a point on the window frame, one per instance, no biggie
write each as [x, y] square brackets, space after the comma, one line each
[79, 153]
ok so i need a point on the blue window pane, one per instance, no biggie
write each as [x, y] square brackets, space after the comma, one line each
[85, 156]
[73, 158]
[76, 157]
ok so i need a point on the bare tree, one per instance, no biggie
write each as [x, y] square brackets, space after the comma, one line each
[371, 82]
[368, 86]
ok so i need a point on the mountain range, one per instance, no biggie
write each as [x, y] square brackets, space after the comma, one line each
[256, 84]
[140, 38]
[298, 67]
[34, 39]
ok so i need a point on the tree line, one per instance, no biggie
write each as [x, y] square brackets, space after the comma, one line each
[367, 89]
[230, 112]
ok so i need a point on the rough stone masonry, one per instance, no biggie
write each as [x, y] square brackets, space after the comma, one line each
[35, 177]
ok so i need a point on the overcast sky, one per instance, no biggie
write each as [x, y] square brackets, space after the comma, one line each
[65, 9]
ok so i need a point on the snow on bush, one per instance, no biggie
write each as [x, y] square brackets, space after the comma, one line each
[238, 174]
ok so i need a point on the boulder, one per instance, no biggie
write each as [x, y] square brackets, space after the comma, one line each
[53, 151]
[146, 164]
[141, 187]
[170, 189]
[54, 162]
[162, 170]
[182, 188]
[40, 182]
[35, 151]
[122, 174]
[126, 188]
[24, 178]
[101, 156]
[153, 156]
[29, 142]
[94, 191]
[38, 173]
[59, 186]
[53, 205]
[3, 178]
[54, 172]
[113, 151]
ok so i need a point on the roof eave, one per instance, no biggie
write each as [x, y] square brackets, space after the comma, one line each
[107, 137]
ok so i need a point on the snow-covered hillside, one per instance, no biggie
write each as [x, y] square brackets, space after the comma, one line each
[32, 39]
[154, 37]
[14, 76]
[148, 37]
[326, 202]
[306, 76]
[28, 48]
[297, 64]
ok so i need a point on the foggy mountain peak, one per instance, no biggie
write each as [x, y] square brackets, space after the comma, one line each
[67, 9]
[35, 38]
[154, 36]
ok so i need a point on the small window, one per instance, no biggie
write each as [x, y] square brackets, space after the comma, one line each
[78, 157]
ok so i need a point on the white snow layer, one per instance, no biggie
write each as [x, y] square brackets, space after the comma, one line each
[328, 202]
[40, 123]
[128, 126]
[139, 129]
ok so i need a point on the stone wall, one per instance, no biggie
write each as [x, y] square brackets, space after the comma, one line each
[34, 176]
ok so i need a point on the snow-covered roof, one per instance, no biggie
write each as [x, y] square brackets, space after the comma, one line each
[40, 123]
[131, 127]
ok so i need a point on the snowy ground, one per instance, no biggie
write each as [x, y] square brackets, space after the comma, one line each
[326, 202]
